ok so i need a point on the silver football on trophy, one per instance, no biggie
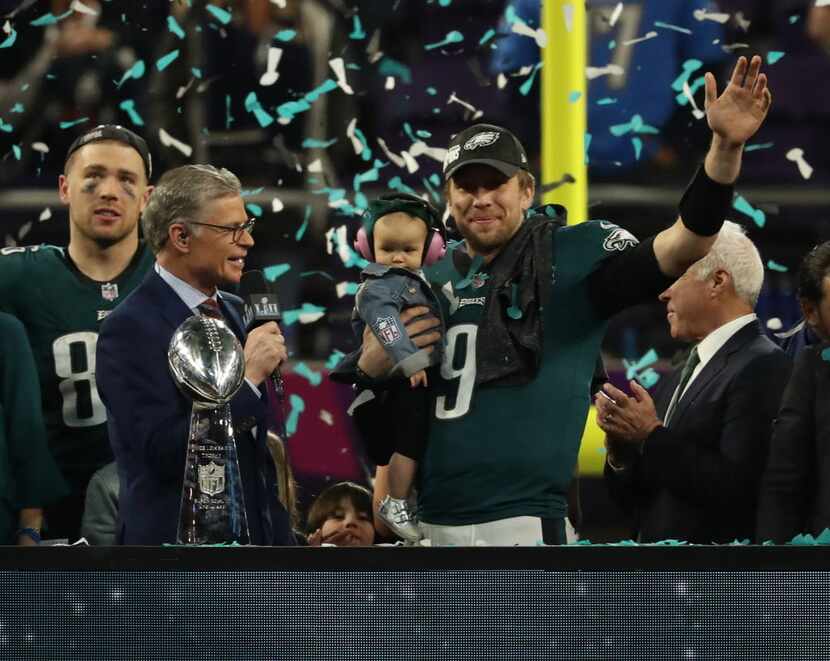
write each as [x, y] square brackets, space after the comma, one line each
[207, 361]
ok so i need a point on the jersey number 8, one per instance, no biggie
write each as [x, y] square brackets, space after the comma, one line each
[75, 364]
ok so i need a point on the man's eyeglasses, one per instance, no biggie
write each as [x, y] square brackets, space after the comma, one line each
[247, 226]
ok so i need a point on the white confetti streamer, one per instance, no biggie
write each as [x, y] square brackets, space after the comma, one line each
[356, 142]
[703, 15]
[169, 141]
[277, 205]
[24, 230]
[610, 70]
[538, 35]
[326, 417]
[646, 37]
[390, 83]
[315, 167]
[697, 113]
[339, 67]
[397, 160]
[454, 99]
[797, 156]
[81, 8]
[41, 147]
[271, 76]
[46, 214]
[615, 15]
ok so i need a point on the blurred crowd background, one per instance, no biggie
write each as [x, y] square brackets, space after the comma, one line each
[317, 105]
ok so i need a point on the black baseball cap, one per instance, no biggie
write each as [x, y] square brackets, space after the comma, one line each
[487, 144]
[119, 134]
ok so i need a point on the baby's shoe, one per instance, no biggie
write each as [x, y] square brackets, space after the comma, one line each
[396, 513]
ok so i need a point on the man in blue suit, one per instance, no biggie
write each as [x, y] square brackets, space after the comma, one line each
[196, 225]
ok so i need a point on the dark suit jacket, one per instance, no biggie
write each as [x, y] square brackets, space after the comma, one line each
[698, 479]
[149, 418]
[795, 491]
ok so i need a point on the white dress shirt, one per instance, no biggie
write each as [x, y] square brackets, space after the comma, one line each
[707, 348]
[192, 298]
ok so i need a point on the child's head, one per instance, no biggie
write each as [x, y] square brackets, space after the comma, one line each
[399, 240]
[343, 510]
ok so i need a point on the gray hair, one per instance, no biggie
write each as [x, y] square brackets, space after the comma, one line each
[181, 196]
[734, 252]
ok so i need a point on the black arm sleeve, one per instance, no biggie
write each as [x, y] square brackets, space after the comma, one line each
[630, 278]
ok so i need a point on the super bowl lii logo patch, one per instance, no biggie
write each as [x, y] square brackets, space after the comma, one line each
[386, 328]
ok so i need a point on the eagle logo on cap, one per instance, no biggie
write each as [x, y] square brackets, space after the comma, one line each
[483, 139]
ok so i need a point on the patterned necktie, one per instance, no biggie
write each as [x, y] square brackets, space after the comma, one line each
[210, 308]
[688, 369]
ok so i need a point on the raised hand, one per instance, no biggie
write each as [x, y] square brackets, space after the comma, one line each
[737, 114]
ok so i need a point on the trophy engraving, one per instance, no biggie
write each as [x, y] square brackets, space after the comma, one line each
[208, 365]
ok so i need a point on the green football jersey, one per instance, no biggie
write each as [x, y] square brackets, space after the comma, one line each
[62, 311]
[496, 452]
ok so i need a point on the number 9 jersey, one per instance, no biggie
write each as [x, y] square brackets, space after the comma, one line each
[62, 310]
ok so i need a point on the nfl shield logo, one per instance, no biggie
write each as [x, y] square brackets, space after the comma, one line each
[109, 291]
[212, 479]
[387, 330]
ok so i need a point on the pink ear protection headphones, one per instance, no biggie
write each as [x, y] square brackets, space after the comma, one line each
[435, 245]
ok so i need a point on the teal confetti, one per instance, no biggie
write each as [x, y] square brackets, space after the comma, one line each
[682, 99]
[366, 154]
[527, 85]
[606, 101]
[435, 179]
[273, 272]
[291, 317]
[254, 209]
[351, 288]
[293, 419]
[432, 91]
[775, 266]
[487, 37]
[229, 120]
[308, 274]
[221, 15]
[334, 359]
[290, 109]
[197, 72]
[311, 143]
[514, 311]
[669, 26]
[50, 19]
[825, 355]
[453, 37]
[634, 367]
[303, 370]
[166, 60]
[391, 67]
[251, 192]
[66, 125]
[774, 56]
[174, 27]
[128, 106]
[444, 3]
[426, 135]
[408, 130]
[17, 152]
[794, 19]
[510, 15]
[253, 105]
[357, 29]
[6, 128]
[17, 108]
[436, 198]
[763, 145]
[637, 143]
[648, 378]
[134, 72]
[396, 183]
[574, 96]
[300, 232]
[8, 42]
[588, 138]
[467, 280]
[361, 178]
[612, 44]
[689, 67]
[636, 125]
[285, 35]
[741, 204]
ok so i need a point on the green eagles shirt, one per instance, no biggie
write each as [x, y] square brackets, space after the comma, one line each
[499, 452]
[28, 474]
[62, 311]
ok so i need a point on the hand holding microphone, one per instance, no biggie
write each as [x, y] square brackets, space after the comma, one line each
[265, 346]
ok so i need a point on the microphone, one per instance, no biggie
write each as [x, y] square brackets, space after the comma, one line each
[261, 306]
